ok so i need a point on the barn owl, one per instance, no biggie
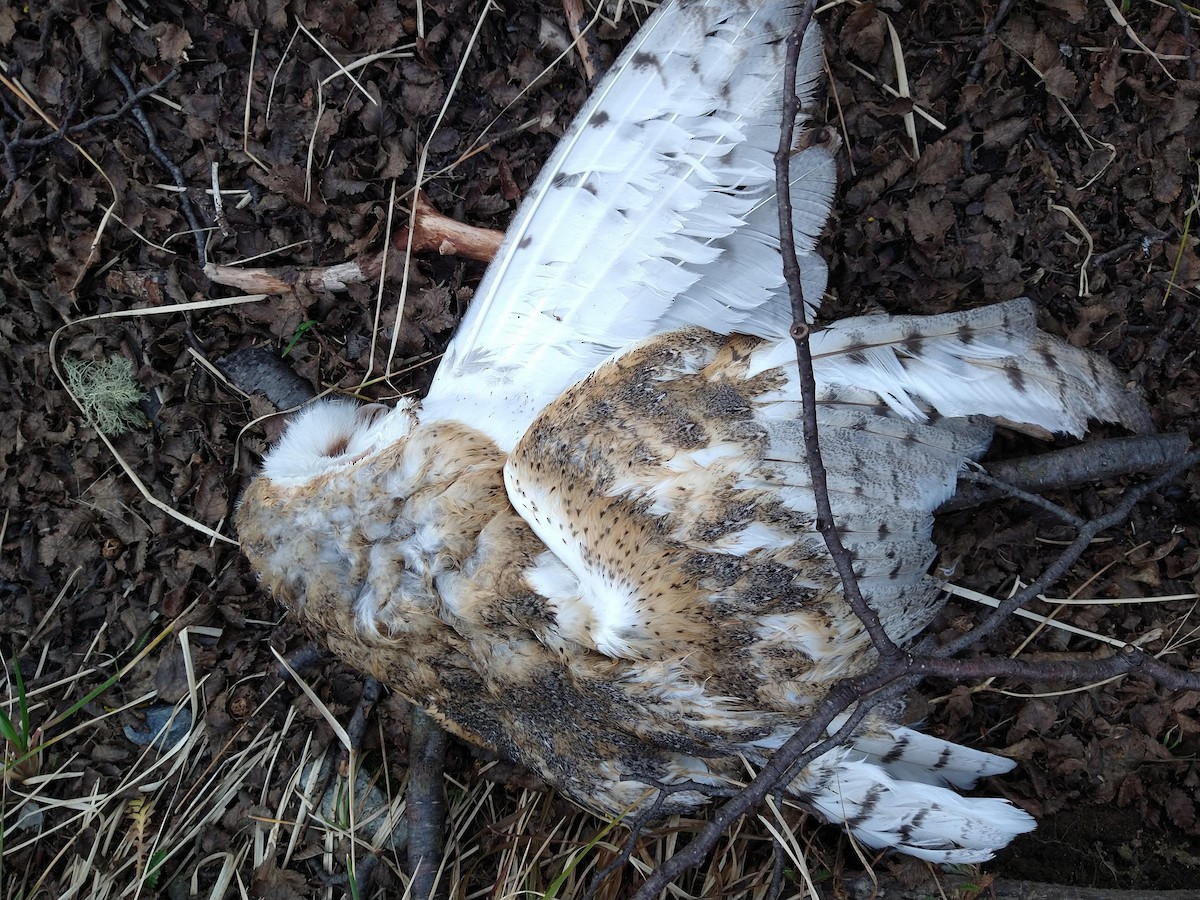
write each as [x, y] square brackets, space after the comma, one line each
[590, 548]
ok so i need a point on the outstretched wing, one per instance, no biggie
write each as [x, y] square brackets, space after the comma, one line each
[673, 494]
[656, 211]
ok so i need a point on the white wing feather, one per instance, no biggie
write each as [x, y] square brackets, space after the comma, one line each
[656, 211]
[991, 361]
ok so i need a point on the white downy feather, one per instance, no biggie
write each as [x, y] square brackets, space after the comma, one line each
[656, 211]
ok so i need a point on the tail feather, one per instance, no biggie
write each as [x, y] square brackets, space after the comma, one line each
[922, 820]
[1087, 386]
[911, 755]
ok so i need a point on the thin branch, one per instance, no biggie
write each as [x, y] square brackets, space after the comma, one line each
[897, 671]
[976, 73]
[995, 487]
[1126, 661]
[185, 202]
[990, 29]
[432, 232]
[652, 812]
[90, 123]
[825, 523]
[371, 690]
[778, 863]
[1096, 460]
[1185, 21]
[797, 752]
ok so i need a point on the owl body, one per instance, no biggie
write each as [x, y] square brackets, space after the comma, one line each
[635, 595]
[591, 549]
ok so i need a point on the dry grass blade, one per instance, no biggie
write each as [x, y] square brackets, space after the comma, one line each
[891, 91]
[324, 710]
[1084, 284]
[1133, 36]
[422, 166]
[341, 69]
[246, 107]
[910, 122]
[985, 600]
[141, 826]
[1091, 142]
[408, 251]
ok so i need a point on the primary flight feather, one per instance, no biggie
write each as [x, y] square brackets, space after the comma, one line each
[591, 548]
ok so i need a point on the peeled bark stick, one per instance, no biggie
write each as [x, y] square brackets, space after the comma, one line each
[449, 237]
[432, 232]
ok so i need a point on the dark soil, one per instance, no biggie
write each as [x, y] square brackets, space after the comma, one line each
[1063, 167]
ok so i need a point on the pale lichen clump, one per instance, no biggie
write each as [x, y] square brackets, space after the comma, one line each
[107, 392]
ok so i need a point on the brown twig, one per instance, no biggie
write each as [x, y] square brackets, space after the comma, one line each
[366, 702]
[778, 864]
[432, 233]
[17, 142]
[639, 822]
[825, 523]
[303, 657]
[990, 29]
[976, 73]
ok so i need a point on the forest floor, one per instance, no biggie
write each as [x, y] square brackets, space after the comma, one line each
[1053, 156]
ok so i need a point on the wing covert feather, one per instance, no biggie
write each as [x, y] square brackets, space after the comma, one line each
[677, 511]
[672, 489]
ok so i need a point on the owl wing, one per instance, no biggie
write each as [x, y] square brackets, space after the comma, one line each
[655, 211]
[672, 491]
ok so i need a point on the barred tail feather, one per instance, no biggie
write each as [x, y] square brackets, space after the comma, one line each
[922, 820]
[910, 755]
[1088, 386]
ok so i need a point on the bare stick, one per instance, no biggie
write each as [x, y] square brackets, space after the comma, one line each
[371, 690]
[432, 233]
[825, 523]
[1097, 460]
[585, 41]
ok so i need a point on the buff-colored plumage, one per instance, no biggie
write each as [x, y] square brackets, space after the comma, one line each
[591, 549]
